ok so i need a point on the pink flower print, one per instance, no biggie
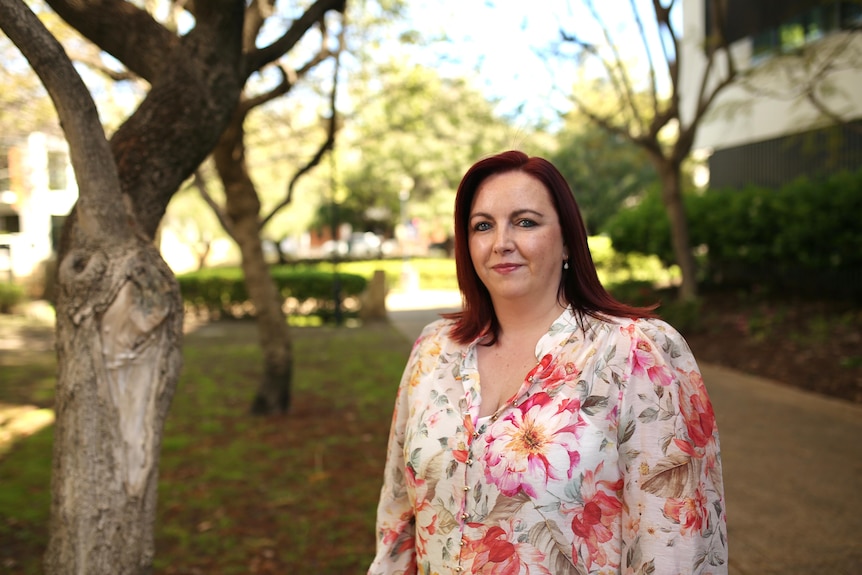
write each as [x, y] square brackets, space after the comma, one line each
[500, 553]
[697, 412]
[660, 375]
[642, 357]
[689, 512]
[550, 374]
[424, 513]
[644, 364]
[426, 521]
[596, 518]
[533, 444]
[398, 534]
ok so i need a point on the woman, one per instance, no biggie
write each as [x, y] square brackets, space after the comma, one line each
[546, 428]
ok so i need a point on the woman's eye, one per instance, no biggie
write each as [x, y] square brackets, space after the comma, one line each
[525, 223]
[481, 226]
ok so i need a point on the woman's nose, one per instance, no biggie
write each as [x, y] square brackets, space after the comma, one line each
[502, 240]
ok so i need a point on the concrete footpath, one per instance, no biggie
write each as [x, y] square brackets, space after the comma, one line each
[792, 464]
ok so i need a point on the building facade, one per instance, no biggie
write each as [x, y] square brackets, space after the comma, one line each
[37, 192]
[796, 110]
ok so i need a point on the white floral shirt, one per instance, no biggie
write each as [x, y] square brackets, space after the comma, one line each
[605, 461]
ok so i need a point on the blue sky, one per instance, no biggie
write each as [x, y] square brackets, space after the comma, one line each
[507, 37]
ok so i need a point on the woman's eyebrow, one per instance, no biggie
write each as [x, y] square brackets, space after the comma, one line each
[514, 214]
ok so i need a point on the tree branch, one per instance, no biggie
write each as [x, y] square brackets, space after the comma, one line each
[618, 69]
[705, 98]
[99, 211]
[288, 80]
[652, 75]
[257, 59]
[93, 62]
[123, 30]
[200, 183]
[328, 144]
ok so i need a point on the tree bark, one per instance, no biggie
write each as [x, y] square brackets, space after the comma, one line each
[243, 212]
[671, 180]
[119, 332]
[119, 310]
[119, 326]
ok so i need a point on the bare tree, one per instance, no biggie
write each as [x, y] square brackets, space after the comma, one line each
[242, 219]
[654, 120]
[119, 315]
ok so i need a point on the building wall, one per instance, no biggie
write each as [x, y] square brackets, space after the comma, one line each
[773, 162]
[751, 125]
[38, 187]
[37, 197]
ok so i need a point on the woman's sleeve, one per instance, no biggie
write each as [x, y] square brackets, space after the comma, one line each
[395, 552]
[673, 496]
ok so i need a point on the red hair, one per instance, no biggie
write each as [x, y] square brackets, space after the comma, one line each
[579, 286]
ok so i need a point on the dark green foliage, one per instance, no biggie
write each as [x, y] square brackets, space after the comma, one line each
[604, 171]
[805, 236]
[643, 229]
[221, 292]
[10, 296]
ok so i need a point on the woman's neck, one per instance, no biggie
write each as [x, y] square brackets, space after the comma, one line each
[517, 320]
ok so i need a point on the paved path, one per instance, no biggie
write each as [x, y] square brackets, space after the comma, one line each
[792, 464]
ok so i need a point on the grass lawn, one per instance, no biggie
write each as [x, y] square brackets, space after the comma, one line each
[240, 494]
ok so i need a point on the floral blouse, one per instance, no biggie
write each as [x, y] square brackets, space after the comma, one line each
[605, 461]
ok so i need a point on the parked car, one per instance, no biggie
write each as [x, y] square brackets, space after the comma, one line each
[358, 246]
[364, 246]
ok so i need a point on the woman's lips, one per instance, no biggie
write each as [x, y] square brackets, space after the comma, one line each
[505, 268]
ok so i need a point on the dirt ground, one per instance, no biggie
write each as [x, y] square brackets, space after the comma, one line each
[813, 345]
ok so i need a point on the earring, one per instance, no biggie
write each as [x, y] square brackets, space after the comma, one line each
[566, 264]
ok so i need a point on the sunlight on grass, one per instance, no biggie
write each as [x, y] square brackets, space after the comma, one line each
[19, 421]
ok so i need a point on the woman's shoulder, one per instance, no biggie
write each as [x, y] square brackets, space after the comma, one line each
[437, 332]
[654, 330]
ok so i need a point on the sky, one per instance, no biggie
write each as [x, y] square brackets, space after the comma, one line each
[507, 37]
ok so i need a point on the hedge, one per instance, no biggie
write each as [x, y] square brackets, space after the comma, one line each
[805, 236]
[221, 292]
[10, 296]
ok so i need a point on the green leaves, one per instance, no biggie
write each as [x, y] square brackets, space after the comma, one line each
[759, 234]
[222, 291]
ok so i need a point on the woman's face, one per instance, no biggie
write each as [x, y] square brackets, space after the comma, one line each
[516, 244]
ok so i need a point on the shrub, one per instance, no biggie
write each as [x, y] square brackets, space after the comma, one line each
[222, 292]
[804, 236]
[10, 296]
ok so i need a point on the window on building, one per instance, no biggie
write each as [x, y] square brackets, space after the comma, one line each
[57, 162]
[10, 224]
[806, 26]
[782, 25]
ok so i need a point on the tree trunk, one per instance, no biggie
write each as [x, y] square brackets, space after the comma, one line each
[669, 173]
[273, 393]
[243, 212]
[119, 311]
[119, 332]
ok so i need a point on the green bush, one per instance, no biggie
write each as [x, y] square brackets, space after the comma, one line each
[221, 291]
[10, 296]
[434, 273]
[803, 236]
[642, 229]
